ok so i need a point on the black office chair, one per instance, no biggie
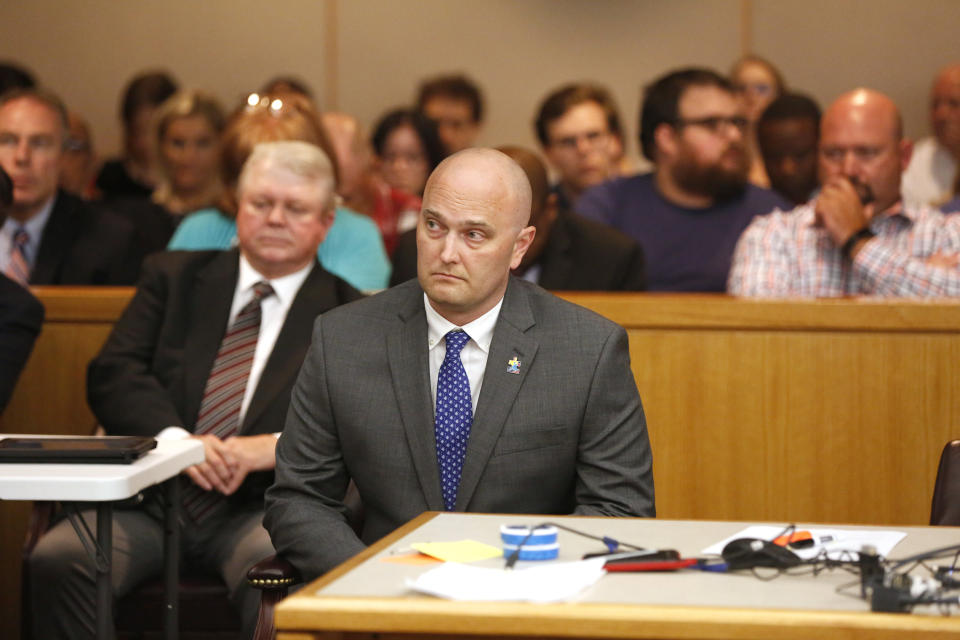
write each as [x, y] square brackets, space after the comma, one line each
[945, 507]
[274, 575]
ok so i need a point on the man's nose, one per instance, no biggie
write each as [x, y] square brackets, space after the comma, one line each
[275, 215]
[22, 153]
[450, 252]
[788, 166]
[849, 165]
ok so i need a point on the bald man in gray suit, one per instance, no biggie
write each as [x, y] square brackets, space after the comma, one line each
[549, 417]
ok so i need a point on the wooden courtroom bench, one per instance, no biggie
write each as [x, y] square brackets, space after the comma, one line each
[814, 410]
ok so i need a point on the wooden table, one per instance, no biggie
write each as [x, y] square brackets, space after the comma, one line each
[367, 596]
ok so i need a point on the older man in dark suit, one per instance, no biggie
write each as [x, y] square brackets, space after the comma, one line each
[467, 389]
[52, 237]
[209, 348]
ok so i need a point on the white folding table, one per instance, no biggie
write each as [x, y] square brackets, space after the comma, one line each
[105, 484]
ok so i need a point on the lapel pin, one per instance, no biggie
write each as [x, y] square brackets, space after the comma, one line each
[513, 366]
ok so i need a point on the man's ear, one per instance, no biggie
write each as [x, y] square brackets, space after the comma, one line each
[665, 140]
[523, 242]
[905, 149]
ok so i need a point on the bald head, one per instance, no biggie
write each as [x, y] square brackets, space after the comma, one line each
[945, 108]
[865, 107]
[861, 141]
[491, 171]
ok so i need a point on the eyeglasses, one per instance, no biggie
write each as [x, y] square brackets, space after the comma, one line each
[836, 155]
[758, 88]
[714, 124]
[593, 139]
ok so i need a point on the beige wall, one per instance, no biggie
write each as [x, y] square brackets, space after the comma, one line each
[364, 56]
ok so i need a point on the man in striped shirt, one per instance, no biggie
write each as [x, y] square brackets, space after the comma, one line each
[856, 236]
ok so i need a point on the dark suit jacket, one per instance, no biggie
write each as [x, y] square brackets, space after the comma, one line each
[21, 316]
[85, 245]
[581, 255]
[566, 434]
[153, 369]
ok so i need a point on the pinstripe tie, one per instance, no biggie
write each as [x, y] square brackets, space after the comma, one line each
[223, 396]
[18, 268]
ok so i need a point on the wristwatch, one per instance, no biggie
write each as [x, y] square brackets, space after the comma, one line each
[864, 233]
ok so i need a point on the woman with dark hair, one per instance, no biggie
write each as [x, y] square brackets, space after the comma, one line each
[135, 172]
[408, 149]
[352, 249]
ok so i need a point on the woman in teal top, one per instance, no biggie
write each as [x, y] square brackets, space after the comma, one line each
[353, 248]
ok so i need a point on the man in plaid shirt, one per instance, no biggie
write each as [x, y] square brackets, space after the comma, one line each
[856, 236]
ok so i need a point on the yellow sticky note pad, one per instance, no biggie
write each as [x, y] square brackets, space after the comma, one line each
[460, 551]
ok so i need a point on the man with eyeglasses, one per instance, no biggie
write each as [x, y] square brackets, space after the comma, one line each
[688, 213]
[857, 236]
[50, 236]
[579, 129]
[208, 348]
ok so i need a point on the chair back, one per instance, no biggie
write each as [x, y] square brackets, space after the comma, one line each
[945, 508]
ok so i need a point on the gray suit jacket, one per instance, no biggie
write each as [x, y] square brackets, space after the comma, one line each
[566, 434]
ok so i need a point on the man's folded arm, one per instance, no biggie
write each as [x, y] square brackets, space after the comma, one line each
[887, 271]
[122, 390]
[305, 514]
[614, 462]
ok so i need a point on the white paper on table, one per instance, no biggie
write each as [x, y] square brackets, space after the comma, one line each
[838, 543]
[548, 583]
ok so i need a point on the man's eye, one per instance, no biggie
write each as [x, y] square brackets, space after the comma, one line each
[475, 235]
[8, 139]
[41, 143]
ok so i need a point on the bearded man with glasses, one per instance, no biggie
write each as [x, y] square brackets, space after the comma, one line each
[688, 213]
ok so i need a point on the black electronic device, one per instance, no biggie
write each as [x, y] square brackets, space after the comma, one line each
[90, 450]
[747, 553]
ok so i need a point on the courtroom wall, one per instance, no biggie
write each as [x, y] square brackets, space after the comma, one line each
[363, 56]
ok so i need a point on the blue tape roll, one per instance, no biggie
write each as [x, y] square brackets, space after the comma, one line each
[517, 534]
[535, 552]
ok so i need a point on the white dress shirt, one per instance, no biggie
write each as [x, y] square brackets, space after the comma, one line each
[474, 354]
[273, 313]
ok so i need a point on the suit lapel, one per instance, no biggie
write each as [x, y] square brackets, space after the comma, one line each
[316, 294]
[59, 232]
[500, 387]
[410, 371]
[210, 303]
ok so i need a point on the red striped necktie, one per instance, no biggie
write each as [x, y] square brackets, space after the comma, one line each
[223, 396]
[18, 269]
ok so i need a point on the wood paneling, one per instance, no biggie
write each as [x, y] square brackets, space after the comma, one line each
[824, 411]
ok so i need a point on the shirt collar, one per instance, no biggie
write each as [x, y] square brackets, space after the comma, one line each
[480, 330]
[35, 225]
[285, 287]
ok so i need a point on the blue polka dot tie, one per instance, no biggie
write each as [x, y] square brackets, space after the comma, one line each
[454, 417]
